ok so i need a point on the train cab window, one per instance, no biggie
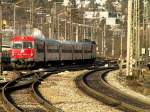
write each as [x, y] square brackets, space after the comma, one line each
[27, 45]
[17, 45]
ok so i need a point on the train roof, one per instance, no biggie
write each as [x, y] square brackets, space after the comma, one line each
[25, 38]
[74, 42]
[22, 38]
[67, 42]
[88, 41]
[52, 41]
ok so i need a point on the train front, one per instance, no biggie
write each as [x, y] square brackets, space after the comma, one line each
[22, 51]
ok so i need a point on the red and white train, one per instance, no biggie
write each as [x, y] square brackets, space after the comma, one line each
[28, 51]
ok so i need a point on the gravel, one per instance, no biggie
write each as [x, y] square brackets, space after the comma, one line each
[118, 82]
[7, 76]
[2, 109]
[25, 100]
[61, 91]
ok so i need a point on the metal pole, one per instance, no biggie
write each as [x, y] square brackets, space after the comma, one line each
[77, 32]
[137, 32]
[70, 30]
[50, 27]
[82, 30]
[65, 29]
[145, 26]
[138, 28]
[102, 47]
[55, 22]
[84, 27]
[113, 47]
[129, 41]
[58, 29]
[143, 32]
[31, 15]
[0, 39]
[14, 19]
[95, 31]
[121, 48]
[94, 36]
[41, 23]
[72, 37]
[91, 33]
[104, 41]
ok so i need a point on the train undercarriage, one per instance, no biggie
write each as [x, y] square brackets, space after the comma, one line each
[22, 63]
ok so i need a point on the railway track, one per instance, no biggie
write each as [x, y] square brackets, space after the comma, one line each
[94, 84]
[2, 108]
[20, 94]
[2, 85]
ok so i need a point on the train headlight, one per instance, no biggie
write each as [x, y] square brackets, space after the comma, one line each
[31, 54]
[13, 54]
[22, 50]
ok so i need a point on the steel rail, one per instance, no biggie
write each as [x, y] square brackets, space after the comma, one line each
[39, 97]
[120, 101]
[37, 94]
[41, 100]
[2, 85]
[11, 107]
[8, 104]
[12, 85]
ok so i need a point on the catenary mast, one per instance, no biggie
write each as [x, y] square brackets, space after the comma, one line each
[133, 37]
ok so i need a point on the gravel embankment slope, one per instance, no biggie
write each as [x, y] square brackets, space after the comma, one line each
[120, 83]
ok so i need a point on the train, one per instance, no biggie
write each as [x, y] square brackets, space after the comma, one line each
[34, 50]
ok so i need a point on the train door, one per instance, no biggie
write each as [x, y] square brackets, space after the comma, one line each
[40, 50]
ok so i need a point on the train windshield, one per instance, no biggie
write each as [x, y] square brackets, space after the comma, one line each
[17, 45]
[22, 45]
[27, 45]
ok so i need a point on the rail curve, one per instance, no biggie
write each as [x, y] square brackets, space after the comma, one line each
[24, 82]
[95, 85]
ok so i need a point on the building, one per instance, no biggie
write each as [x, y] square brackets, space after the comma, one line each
[112, 18]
